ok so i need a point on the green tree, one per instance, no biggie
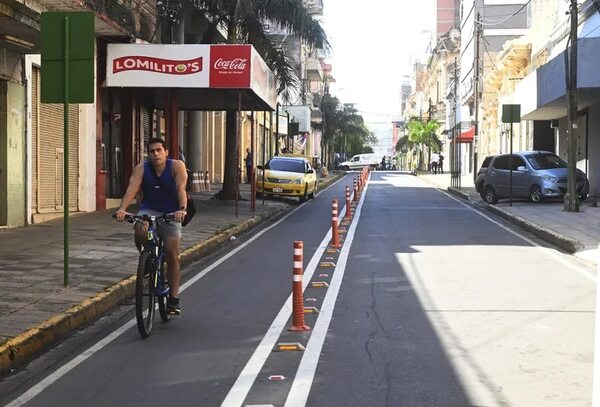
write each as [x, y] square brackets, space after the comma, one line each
[344, 130]
[421, 133]
[246, 22]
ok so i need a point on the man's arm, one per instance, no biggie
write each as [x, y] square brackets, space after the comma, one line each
[135, 182]
[181, 177]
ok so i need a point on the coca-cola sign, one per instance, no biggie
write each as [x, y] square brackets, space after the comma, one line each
[230, 66]
[160, 65]
[236, 64]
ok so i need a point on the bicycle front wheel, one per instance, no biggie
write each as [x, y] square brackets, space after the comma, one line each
[144, 294]
[162, 298]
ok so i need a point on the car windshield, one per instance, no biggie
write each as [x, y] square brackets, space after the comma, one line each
[286, 165]
[544, 161]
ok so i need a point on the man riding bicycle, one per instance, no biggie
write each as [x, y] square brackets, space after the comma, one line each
[160, 183]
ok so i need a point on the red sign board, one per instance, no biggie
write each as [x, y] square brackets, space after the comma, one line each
[230, 66]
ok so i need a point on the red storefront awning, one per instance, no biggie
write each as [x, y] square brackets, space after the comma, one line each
[198, 76]
[466, 136]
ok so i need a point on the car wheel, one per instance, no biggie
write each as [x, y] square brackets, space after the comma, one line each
[346, 168]
[314, 192]
[535, 194]
[490, 195]
[303, 197]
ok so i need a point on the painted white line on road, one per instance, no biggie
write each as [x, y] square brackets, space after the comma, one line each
[551, 252]
[300, 390]
[67, 367]
[238, 393]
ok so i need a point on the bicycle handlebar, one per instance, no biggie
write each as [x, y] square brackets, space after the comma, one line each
[131, 218]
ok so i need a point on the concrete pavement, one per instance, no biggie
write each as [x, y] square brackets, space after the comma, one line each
[37, 311]
[574, 232]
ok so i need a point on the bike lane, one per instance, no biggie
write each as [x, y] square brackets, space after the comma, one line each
[197, 358]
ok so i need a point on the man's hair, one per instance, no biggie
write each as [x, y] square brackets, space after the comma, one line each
[155, 140]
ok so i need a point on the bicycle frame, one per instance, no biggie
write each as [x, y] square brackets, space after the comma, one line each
[156, 248]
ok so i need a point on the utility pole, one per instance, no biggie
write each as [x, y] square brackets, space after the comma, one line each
[477, 62]
[571, 197]
[456, 125]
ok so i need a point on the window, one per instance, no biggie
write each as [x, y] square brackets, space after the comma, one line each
[286, 165]
[501, 162]
[544, 161]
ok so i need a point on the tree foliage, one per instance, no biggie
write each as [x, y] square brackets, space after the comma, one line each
[249, 22]
[424, 132]
[344, 128]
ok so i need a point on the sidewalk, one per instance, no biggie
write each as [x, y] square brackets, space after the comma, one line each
[36, 311]
[574, 232]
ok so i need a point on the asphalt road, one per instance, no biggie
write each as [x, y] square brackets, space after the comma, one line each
[432, 303]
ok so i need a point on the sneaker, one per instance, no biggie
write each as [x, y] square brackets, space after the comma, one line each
[173, 306]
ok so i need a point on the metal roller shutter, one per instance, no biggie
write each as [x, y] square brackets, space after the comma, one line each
[35, 95]
[50, 158]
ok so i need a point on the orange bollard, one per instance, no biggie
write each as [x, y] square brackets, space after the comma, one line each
[355, 191]
[335, 239]
[297, 300]
[348, 209]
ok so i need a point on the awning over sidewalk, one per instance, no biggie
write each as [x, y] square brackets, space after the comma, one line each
[466, 136]
[198, 76]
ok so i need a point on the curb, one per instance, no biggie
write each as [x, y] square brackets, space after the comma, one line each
[567, 244]
[31, 343]
[563, 242]
[24, 347]
[459, 193]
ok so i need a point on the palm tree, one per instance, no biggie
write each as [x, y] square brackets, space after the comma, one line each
[344, 129]
[423, 133]
[246, 22]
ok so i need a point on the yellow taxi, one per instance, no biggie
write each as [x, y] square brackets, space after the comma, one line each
[287, 176]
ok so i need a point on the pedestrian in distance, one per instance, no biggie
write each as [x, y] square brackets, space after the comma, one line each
[248, 161]
[440, 163]
[160, 184]
[383, 163]
[434, 163]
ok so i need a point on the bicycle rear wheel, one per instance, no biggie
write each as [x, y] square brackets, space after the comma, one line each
[162, 299]
[144, 294]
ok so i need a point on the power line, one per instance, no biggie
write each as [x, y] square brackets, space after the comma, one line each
[497, 22]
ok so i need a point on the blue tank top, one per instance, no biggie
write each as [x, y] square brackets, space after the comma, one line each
[159, 196]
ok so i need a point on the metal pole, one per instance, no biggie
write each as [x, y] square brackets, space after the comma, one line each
[476, 130]
[66, 154]
[237, 153]
[510, 166]
[277, 129]
[264, 154]
[288, 136]
[251, 175]
[571, 197]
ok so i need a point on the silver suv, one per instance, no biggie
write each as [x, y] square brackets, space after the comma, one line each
[535, 175]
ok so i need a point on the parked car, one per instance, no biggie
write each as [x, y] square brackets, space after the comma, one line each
[536, 175]
[287, 176]
[479, 180]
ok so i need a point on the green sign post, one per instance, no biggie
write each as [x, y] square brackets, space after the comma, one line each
[511, 114]
[67, 77]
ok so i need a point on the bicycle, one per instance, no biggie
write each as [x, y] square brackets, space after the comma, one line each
[151, 285]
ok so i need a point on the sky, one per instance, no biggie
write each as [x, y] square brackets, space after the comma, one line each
[374, 44]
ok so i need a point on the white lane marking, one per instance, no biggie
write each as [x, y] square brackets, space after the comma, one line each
[66, 368]
[551, 252]
[239, 391]
[298, 395]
